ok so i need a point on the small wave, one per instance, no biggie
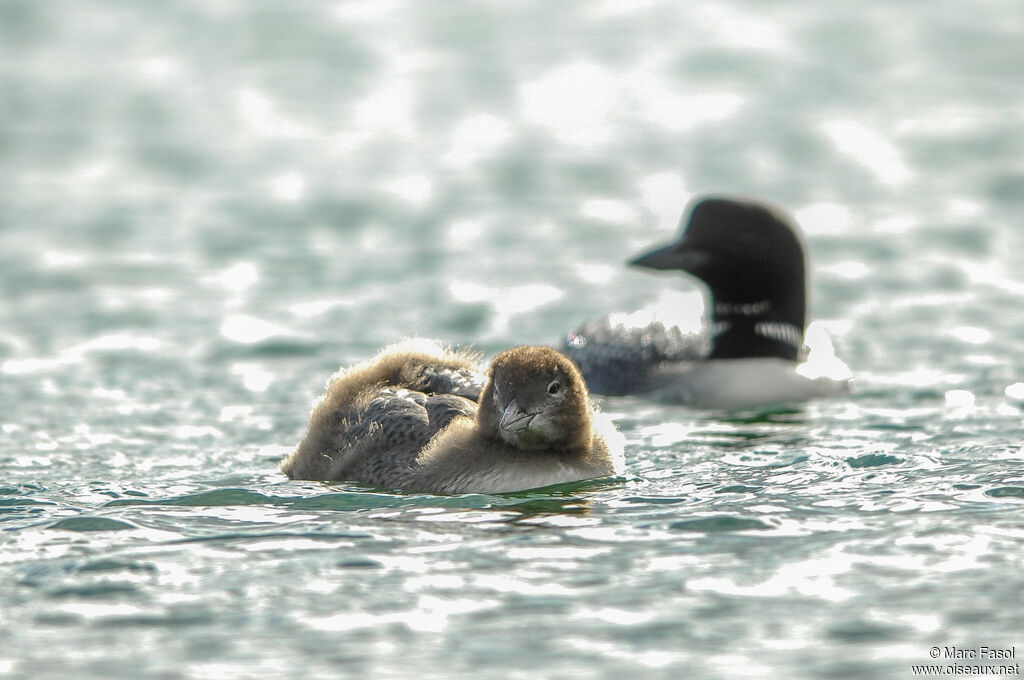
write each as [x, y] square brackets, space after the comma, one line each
[718, 523]
[91, 524]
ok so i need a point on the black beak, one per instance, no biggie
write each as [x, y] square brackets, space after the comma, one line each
[672, 256]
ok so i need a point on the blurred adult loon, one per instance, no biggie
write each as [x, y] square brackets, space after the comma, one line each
[751, 350]
[419, 417]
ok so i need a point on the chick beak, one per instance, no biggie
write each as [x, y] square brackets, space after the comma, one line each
[513, 419]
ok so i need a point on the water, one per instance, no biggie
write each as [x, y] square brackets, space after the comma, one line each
[209, 206]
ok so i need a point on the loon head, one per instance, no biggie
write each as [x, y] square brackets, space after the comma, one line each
[751, 257]
[535, 398]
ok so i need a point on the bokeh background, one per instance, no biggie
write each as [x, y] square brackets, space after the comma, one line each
[207, 207]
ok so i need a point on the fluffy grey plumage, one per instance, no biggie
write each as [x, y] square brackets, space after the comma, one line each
[408, 419]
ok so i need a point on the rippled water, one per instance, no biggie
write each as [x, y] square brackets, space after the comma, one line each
[206, 207]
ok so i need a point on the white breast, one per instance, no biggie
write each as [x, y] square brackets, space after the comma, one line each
[742, 383]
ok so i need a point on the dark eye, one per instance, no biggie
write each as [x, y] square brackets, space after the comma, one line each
[555, 387]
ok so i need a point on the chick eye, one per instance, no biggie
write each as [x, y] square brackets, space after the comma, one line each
[555, 387]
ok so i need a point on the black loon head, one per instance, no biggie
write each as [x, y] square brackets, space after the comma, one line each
[751, 258]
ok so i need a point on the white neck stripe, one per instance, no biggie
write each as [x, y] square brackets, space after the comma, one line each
[779, 331]
[742, 308]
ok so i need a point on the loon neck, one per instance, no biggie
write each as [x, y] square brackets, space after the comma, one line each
[753, 330]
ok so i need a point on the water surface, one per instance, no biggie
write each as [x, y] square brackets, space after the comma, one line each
[207, 207]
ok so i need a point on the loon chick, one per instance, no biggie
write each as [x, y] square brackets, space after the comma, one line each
[410, 420]
[752, 352]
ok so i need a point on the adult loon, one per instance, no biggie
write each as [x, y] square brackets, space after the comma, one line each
[426, 419]
[751, 351]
